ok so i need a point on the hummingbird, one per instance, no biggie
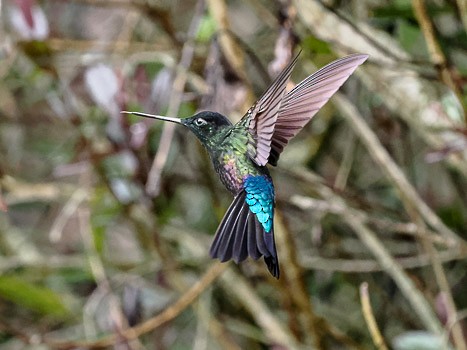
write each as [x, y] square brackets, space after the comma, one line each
[240, 152]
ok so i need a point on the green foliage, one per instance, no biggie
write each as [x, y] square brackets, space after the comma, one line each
[411, 38]
[316, 46]
[207, 28]
[32, 297]
[104, 211]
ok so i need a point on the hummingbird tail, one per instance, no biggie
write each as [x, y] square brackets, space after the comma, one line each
[240, 234]
[273, 265]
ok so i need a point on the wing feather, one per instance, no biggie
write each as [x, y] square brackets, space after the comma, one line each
[304, 101]
[277, 117]
[260, 119]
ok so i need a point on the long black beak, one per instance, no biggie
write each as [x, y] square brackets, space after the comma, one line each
[153, 116]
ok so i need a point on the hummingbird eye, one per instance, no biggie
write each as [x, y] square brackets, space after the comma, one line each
[200, 122]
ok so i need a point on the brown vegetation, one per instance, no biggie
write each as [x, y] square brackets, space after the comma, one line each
[106, 219]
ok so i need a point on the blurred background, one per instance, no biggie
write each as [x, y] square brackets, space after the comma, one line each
[106, 219]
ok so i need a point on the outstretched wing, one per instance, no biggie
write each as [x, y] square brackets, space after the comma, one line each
[305, 100]
[247, 227]
[261, 117]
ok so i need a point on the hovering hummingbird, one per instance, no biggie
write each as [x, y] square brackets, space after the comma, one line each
[240, 152]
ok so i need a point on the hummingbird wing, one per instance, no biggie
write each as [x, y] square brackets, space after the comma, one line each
[305, 100]
[277, 117]
[261, 117]
[247, 227]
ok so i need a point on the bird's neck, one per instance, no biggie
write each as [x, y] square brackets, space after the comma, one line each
[214, 143]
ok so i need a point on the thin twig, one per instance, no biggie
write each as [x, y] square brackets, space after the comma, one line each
[408, 194]
[368, 265]
[409, 228]
[346, 164]
[168, 314]
[63, 45]
[114, 312]
[443, 283]
[232, 52]
[154, 176]
[434, 48]
[293, 273]
[401, 89]
[462, 6]
[461, 315]
[419, 304]
[208, 323]
[235, 284]
[367, 310]
[66, 213]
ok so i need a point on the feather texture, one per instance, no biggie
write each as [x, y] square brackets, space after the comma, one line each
[247, 227]
[240, 153]
[304, 101]
[277, 117]
[261, 117]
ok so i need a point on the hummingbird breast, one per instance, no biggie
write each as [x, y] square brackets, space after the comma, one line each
[233, 168]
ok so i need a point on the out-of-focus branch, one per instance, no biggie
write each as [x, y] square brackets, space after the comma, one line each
[233, 53]
[367, 310]
[293, 273]
[294, 287]
[408, 194]
[235, 284]
[98, 271]
[409, 228]
[18, 191]
[401, 89]
[62, 45]
[153, 184]
[451, 311]
[248, 297]
[462, 6]
[65, 214]
[367, 265]
[283, 50]
[419, 304]
[168, 314]
[48, 262]
[436, 53]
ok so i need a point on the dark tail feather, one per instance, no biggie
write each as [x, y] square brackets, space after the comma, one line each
[253, 242]
[273, 265]
[224, 240]
[240, 235]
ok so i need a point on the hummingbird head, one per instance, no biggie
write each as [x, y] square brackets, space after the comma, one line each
[206, 125]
